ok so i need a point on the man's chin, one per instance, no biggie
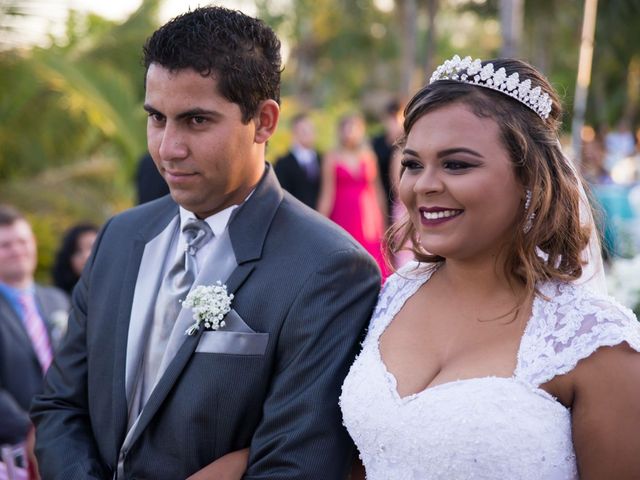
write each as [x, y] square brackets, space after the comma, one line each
[200, 209]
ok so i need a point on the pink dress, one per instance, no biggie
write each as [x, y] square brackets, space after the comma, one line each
[356, 207]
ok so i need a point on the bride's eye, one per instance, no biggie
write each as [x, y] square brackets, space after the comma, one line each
[456, 165]
[410, 164]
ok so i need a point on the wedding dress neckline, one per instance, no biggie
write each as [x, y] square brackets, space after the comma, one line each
[489, 427]
[392, 381]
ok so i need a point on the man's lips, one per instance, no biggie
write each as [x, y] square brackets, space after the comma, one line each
[177, 176]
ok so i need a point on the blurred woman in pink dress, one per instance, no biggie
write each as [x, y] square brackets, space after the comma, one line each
[351, 193]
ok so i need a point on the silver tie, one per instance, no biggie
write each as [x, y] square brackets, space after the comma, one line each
[174, 289]
[182, 275]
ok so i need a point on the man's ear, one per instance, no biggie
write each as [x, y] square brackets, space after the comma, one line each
[266, 120]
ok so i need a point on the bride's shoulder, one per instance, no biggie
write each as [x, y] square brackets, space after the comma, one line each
[579, 303]
[570, 322]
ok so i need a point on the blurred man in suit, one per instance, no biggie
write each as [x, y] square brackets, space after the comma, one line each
[299, 170]
[384, 147]
[32, 321]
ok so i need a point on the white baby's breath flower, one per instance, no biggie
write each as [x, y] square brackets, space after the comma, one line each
[209, 304]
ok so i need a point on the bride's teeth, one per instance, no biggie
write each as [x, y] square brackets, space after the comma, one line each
[437, 215]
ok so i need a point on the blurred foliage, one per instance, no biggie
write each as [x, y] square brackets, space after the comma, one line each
[77, 98]
[551, 42]
[72, 126]
[57, 198]
[616, 64]
[337, 49]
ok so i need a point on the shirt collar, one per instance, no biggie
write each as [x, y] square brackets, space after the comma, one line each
[218, 221]
[4, 288]
[303, 154]
[13, 294]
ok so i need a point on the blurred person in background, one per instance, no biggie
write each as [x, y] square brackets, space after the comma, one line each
[594, 171]
[619, 143]
[32, 323]
[385, 149]
[149, 183]
[593, 153]
[351, 192]
[72, 255]
[299, 170]
[627, 170]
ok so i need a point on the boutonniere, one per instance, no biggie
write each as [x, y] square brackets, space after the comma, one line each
[209, 304]
[59, 320]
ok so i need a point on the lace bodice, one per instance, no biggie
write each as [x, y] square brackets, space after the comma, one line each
[481, 428]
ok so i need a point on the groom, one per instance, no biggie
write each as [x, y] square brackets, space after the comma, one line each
[131, 395]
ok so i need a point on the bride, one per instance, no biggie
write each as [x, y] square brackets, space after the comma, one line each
[486, 358]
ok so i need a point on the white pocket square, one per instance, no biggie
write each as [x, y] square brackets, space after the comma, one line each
[235, 338]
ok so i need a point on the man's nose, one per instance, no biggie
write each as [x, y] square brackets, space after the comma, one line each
[172, 145]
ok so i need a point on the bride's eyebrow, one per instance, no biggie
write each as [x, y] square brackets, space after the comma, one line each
[408, 151]
[444, 153]
[451, 151]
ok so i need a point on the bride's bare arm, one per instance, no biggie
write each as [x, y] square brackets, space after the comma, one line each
[606, 414]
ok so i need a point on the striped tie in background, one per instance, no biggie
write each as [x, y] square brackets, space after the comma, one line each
[36, 330]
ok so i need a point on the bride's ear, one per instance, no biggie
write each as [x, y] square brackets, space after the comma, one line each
[266, 120]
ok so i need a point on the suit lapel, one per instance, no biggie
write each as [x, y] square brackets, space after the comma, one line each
[248, 228]
[119, 385]
[177, 364]
[250, 223]
[153, 227]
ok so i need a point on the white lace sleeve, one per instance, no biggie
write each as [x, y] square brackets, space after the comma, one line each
[573, 324]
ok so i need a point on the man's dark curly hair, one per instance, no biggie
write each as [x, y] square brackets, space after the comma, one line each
[242, 53]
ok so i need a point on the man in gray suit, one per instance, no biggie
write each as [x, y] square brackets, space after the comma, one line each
[32, 321]
[140, 392]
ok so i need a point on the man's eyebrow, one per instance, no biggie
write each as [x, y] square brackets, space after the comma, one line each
[193, 112]
[148, 108]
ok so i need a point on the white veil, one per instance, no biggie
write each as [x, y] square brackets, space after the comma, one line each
[593, 275]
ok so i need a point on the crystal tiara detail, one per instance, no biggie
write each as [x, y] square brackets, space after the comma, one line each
[471, 71]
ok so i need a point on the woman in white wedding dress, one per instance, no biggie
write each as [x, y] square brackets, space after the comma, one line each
[485, 359]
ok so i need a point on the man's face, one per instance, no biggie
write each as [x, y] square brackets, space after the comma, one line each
[304, 133]
[17, 253]
[208, 156]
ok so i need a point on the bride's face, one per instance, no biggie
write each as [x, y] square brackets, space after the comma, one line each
[459, 184]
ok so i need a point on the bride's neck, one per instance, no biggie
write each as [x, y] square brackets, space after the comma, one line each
[478, 279]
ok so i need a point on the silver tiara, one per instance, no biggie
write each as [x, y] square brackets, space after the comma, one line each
[471, 71]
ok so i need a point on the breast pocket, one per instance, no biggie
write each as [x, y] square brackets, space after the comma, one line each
[233, 343]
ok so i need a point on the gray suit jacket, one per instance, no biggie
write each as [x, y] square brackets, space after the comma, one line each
[300, 280]
[20, 370]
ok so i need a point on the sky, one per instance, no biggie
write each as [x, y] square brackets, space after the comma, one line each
[49, 16]
[120, 9]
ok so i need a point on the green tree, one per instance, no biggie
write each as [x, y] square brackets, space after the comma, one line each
[76, 99]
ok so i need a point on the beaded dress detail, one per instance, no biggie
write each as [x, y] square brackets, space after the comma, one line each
[480, 428]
